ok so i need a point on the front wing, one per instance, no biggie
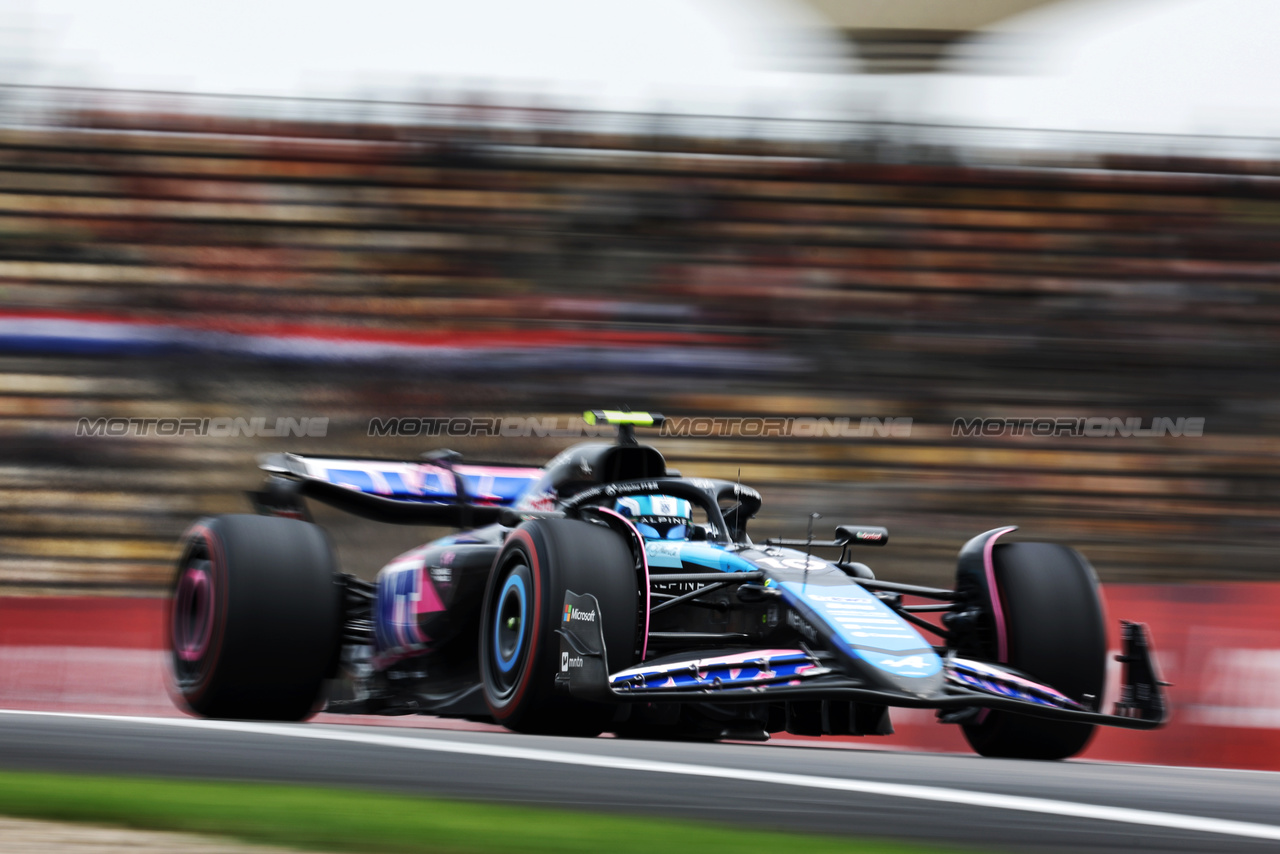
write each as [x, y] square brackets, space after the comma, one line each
[803, 674]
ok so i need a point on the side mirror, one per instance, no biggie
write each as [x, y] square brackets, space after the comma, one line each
[861, 535]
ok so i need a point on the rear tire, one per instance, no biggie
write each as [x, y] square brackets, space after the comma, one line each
[1056, 633]
[519, 647]
[254, 618]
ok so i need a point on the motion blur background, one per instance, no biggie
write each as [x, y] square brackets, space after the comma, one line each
[916, 209]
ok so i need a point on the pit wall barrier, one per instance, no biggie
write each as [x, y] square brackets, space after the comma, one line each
[1219, 644]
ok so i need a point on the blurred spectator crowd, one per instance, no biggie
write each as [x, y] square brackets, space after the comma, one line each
[176, 263]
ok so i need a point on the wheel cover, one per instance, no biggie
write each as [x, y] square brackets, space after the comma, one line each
[509, 630]
[193, 612]
[193, 619]
[508, 625]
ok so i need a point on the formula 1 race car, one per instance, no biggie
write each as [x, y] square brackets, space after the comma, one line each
[605, 592]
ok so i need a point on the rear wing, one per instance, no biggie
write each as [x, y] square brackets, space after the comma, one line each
[440, 490]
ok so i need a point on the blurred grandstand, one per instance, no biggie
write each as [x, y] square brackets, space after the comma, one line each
[185, 257]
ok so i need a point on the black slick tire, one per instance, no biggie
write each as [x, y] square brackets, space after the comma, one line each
[1056, 633]
[524, 598]
[254, 618]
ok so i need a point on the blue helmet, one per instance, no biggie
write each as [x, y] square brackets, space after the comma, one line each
[658, 517]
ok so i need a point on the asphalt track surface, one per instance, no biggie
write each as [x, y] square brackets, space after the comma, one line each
[985, 804]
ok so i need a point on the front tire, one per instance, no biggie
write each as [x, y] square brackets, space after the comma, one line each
[519, 647]
[1056, 633]
[254, 618]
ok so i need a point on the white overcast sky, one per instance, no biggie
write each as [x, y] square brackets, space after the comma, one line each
[624, 54]
[1171, 66]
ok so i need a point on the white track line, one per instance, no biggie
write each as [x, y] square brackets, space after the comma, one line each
[1070, 809]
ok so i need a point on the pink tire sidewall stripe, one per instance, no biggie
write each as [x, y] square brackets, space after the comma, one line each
[997, 607]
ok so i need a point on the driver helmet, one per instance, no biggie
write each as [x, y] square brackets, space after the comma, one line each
[658, 517]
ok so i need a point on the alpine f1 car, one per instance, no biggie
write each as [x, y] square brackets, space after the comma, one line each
[605, 592]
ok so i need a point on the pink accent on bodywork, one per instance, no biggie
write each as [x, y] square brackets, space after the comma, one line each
[997, 610]
[479, 473]
[428, 599]
[644, 564]
[498, 471]
[406, 609]
[703, 664]
[992, 673]
[750, 655]
[418, 476]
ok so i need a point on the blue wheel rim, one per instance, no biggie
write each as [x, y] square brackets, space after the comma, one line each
[508, 637]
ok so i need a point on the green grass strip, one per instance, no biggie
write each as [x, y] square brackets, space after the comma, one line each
[327, 819]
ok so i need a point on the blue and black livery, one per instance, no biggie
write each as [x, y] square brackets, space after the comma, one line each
[606, 592]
